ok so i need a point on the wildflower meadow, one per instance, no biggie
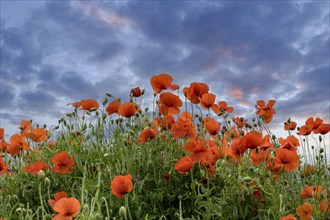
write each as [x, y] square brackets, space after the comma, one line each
[187, 156]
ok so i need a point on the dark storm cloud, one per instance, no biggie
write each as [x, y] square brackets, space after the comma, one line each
[68, 51]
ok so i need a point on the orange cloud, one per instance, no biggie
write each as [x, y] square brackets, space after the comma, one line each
[107, 16]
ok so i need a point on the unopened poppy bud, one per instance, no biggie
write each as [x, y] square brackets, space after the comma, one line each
[41, 175]
[312, 147]
[176, 215]
[84, 127]
[56, 127]
[247, 179]
[105, 100]
[320, 138]
[122, 212]
[64, 122]
[321, 157]
[146, 109]
[143, 91]
[273, 137]
[47, 181]
[155, 94]
[253, 119]
[47, 217]
[108, 94]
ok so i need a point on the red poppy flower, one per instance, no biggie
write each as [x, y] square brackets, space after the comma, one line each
[305, 211]
[310, 126]
[290, 125]
[262, 153]
[3, 143]
[136, 92]
[113, 106]
[323, 128]
[25, 126]
[290, 139]
[35, 167]
[127, 109]
[324, 206]
[37, 134]
[89, 104]
[121, 185]
[287, 158]
[195, 91]
[308, 170]
[164, 123]
[288, 217]
[222, 107]
[67, 208]
[162, 82]
[266, 111]
[17, 142]
[57, 197]
[146, 134]
[51, 144]
[211, 125]
[169, 103]
[184, 165]
[207, 100]
[252, 140]
[236, 149]
[184, 127]
[2, 133]
[3, 167]
[197, 148]
[240, 122]
[313, 192]
[86, 104]
[63, 163]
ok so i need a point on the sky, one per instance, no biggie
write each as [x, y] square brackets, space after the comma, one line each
[57, 52]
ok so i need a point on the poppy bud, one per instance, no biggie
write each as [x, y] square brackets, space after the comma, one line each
[247, 179]
[56, 127]
[47, 181]
[320, 138]
[143, 91]
[105, 101]
[108, 94]
[86, 208]
[253, 119]
[146, 109]
[20, 210]
[41, 175]
[48, 216]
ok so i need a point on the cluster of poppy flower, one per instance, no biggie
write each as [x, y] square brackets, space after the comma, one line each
[205, 148]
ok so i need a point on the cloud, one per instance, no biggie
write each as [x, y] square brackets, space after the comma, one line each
[67, 51]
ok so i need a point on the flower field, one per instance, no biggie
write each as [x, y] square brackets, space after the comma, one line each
[182, 158]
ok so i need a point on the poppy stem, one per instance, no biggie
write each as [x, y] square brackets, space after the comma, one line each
[128, 210]
[41, 202]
